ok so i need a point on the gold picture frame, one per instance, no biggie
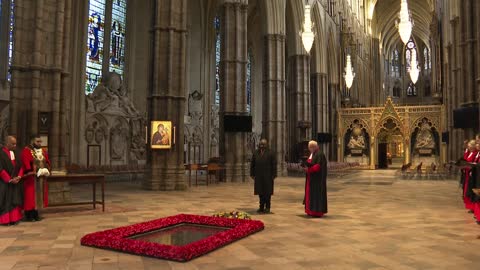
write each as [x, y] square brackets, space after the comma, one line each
[161, 133]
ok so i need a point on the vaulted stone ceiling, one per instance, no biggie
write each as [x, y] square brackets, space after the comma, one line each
[385, 13]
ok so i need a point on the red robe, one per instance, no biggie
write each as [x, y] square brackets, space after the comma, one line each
[28, 165]
[15, 214]
[476, 205]
[469, 157]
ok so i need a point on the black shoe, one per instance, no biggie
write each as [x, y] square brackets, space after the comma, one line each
[14, 223]
[267, 211]
[260, 210]
[35, 216]
[28, 216]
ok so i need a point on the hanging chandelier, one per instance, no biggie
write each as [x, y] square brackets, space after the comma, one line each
[405, 24]
[349, 75]
[307, 35]
[414, 68]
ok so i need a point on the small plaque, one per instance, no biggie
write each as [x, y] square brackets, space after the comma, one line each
[356, 152]
[425, 152]
[94, 155]
[44, 119]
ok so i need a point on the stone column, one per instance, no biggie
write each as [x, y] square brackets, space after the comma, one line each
[274, 108]
[463, 83]
[335, 99]
[321, 110]
[373, 144]
[167, 93]
[447, 99]
[233, 86]
[477, 16]
[300, 112]
[458, 90]
[376, 74]
[60, 81]
[470, 54]
[406, 137]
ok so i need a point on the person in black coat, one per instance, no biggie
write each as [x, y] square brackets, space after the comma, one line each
[316, 182]
[263, 170]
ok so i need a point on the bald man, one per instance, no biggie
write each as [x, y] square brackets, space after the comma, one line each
[10, 190]
[263, 170]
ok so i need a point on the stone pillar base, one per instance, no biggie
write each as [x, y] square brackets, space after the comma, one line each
[235, 172]
[281, 168]
[165, 179]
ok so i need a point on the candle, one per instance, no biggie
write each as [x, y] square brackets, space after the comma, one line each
[174, 135]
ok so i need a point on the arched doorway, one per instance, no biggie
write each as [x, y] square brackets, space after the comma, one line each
[390, 145]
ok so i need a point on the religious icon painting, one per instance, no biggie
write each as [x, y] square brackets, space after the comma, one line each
[161, 134]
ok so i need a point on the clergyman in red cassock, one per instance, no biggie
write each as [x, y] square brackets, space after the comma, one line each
[469, 157]
[11, 197]
[34, 159]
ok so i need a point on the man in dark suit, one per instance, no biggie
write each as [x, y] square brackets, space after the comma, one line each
[263, 170]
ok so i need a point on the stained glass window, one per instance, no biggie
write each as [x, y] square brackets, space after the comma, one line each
[216, 22]
[408, 53]
[113, 58]
[397, 63]
[408, 57]
[393, 62]
[411, 89]
[426, 58]
[96, 19]
[117, 43]
[10, 38]
[249, 81]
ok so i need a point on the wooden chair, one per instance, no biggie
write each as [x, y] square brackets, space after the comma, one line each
[406, 169]
[435, 171]
[418, 169]
[193, 167]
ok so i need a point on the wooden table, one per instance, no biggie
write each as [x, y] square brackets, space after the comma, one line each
[196, 168]
[92, 179]
[208, 168]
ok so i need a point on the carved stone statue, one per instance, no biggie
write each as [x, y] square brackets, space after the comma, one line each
[102, 98]
[357, 139]
[111, 95]
[118, 141]
[424, 138]
[138, 146]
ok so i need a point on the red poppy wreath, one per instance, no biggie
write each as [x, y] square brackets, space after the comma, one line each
[178, 238]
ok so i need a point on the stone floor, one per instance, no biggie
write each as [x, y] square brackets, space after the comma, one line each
[375, 222]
